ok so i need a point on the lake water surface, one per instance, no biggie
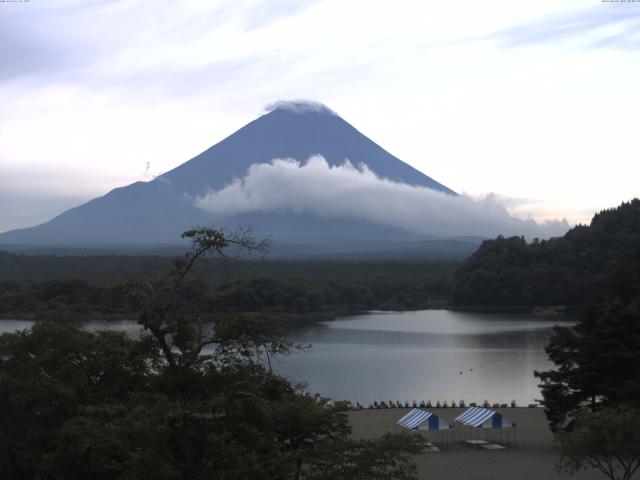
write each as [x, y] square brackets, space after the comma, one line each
[424, 355]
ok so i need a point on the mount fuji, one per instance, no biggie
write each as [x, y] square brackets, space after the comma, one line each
[155, 213]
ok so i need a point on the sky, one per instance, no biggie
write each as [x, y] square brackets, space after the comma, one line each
[534, 102]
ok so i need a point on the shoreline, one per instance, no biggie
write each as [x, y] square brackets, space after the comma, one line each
[295, 320]
[532, 458]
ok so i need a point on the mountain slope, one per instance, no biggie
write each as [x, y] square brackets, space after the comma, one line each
[286, 132]
[156, 212]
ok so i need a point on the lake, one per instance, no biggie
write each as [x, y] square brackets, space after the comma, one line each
[436, 355]
[425, 355]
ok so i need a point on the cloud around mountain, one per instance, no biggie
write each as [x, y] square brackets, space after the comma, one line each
[299, 106]
[317, 188]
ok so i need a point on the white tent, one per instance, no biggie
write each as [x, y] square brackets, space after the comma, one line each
[419, 419]
[488, 421]
[428, 423]
[479, 417]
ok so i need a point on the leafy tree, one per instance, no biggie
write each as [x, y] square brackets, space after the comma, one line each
[607, 440]
[173, 325]
[576, 270]
[597, 363]
[182, 402]
[386, 458]
[54, 374]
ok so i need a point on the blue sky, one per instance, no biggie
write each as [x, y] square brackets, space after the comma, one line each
[534, 101]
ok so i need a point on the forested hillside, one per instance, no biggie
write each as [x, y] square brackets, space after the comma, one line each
[584, 266]
[297, 291]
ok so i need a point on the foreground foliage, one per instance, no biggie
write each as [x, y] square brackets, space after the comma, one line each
[180, 402]
[607, 440]
[592, 396]
[597, 363]
[388, 458]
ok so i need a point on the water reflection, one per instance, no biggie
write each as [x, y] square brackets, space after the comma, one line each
[431, 355]
[425, 355]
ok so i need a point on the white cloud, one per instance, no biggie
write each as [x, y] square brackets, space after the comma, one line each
[339, 191]
[299, 106]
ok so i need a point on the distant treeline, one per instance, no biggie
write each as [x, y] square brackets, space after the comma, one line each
[97, 269]
[297, 291]
[584, 266]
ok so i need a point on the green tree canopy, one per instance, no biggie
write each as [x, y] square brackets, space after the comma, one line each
[181, 402]
[577, 269]
[597, 363]
[607, 440]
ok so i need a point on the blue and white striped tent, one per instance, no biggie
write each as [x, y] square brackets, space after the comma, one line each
[478, 417]
[419, 419]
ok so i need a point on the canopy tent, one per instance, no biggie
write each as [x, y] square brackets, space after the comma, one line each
[419, 419]
[479, 417]
[491, 423]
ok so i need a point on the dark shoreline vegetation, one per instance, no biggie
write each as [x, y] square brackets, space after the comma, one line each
[585, 266]
[293, 292]
[548, 277]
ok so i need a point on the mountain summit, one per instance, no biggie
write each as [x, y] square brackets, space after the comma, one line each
[156, 212]
[292, 130]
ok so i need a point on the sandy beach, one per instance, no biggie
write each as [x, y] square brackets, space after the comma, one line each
[532, 458]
